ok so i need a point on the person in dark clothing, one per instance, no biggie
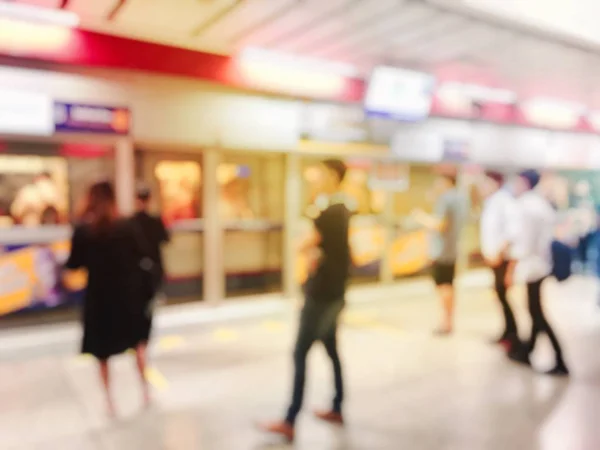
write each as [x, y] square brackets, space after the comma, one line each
[113, 311]
[532, 263]
[153, 234]
[324, 298]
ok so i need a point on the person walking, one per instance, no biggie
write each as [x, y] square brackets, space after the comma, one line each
[114, 310]
[533, 262]
[445, 225]
[497, 234]
[153, 234]
[324, 298]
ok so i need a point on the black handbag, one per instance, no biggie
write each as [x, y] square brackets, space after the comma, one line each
[149, 276]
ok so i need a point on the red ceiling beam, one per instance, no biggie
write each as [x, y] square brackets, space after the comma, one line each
[84, 48]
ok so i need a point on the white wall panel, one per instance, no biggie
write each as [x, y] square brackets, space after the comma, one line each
[167, 110]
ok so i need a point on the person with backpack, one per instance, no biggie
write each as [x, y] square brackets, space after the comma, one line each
[534, 262]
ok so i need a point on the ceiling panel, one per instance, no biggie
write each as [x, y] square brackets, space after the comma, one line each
[87, 10]
[439, 42]
[477, 41]
[161, 16]
[352, 19]
[428, 34]
[438, 25]
[248, 16]
[307, 15]
[377, 32]
[412, 32]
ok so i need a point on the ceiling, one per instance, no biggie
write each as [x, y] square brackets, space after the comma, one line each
[451, 38]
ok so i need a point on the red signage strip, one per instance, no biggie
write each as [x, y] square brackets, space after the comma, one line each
[85, 48]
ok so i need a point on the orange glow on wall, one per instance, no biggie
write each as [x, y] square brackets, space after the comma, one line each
[278, 78]
[18, 37]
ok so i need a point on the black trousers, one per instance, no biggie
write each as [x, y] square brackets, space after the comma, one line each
[584, 247]
[510, 324]
[539, 324]
[318, 322]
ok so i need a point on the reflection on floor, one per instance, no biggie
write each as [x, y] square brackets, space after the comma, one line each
[406, 389]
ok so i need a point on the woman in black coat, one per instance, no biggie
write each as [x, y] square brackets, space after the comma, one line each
[114, 312]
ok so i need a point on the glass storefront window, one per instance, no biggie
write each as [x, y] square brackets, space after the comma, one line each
[409, 252]
[179, 190]
[34, 190]
[41, 188]
[176, 183]
[251, 205]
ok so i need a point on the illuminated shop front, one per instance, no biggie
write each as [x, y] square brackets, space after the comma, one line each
[51, 152]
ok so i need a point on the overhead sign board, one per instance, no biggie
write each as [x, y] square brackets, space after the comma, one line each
[399, 94]
[25, 113]
[82, 118]
[336, 123]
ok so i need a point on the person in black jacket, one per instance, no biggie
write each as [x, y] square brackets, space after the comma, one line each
[114, 317]
[152, 234]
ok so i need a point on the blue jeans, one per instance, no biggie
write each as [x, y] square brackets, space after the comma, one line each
[318, 322]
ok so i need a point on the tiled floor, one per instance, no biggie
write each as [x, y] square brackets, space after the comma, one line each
[406, 389]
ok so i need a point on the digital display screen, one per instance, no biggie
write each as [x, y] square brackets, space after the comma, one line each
[399, 94]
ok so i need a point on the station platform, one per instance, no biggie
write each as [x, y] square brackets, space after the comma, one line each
[217, 371]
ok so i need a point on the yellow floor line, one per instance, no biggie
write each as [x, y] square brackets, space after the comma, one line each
[83, 359]
[273, 325]
[156, 379]
[225, 335]
[170, 342]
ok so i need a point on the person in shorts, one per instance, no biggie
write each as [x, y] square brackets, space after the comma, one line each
[445, 225]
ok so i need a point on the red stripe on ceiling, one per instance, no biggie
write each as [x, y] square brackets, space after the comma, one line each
[84, 48]
[64, 4]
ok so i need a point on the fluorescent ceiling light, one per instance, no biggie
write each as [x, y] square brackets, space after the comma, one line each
[31, 13]
[301, 63]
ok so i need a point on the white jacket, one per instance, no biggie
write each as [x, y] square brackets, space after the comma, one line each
[533, 240]
[497, 225]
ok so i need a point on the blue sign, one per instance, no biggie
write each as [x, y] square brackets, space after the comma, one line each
[78, 118]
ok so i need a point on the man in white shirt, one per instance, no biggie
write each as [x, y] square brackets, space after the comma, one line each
[497, 233]
[533, 259]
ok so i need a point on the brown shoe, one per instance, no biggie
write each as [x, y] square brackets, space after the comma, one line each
[332, 417]
[282, 429]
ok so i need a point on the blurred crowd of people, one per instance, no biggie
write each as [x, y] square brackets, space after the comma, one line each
[519, 243]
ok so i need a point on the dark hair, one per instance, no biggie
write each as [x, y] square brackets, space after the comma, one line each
[50, 216]
[100, 210]
[496, 176]
[143, 193]
[337, 166]
[532, 176]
